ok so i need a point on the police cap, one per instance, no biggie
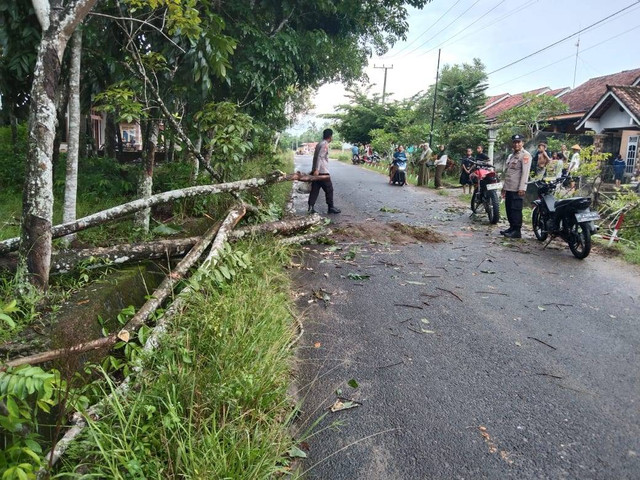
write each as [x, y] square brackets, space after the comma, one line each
[517, 138]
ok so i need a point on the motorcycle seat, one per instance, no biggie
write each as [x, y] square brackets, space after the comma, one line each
[578, 201]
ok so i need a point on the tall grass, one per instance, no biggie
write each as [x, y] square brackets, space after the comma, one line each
[213, 402]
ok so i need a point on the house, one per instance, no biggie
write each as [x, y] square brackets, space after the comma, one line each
[616, 115]
[582, 98]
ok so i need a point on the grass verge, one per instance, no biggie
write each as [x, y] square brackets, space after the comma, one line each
[212, 403]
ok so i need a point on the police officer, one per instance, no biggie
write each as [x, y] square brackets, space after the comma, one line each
[515, 186]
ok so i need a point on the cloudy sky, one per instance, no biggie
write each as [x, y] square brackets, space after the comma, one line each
[500, 32]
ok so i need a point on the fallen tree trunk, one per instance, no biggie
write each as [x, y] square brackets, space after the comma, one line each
[66, 260]
[194, 254]
[113, 213]
[78, 420]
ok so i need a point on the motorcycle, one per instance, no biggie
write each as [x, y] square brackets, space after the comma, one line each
[570, 218]
[372, 159]
[400, 176]
[486, 186]
[356, 159]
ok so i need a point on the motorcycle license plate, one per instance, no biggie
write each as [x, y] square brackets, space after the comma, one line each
[587, 216]
[494, 186]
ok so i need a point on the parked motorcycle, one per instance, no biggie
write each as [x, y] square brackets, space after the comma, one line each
[372, 159]
[570, 218]
[356, 159]
[486, 186]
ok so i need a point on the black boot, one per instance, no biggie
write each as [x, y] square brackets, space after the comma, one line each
[334, 210]
[508, 230]
[515, 233]
[311, 210]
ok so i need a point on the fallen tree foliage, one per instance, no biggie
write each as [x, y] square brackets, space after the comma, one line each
[66, 260]
[125, 209]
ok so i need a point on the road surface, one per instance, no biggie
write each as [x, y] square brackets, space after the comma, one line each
[469, 358]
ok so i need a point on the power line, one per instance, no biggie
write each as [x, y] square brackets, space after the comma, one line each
[427, 30]
[439, 32]
[566, 58]
[470, 25]
[563, 39]
[526, 4]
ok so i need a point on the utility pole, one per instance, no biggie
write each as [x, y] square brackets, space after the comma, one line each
[575, 68]
[435, 96]
[384, 85]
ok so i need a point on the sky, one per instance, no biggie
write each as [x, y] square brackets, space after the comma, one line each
[500, 32]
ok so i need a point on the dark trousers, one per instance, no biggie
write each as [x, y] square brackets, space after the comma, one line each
[513, 204]
[325, 185]
[439, 171]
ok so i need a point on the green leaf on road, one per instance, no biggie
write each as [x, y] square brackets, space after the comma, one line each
[295, 452]
[389, 210]
[425, 321]
[353, 383]
[357, 276]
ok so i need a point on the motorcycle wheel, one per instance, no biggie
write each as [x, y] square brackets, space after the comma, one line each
[538, 224]
[580, 240]
[475, 201]
[493, 207]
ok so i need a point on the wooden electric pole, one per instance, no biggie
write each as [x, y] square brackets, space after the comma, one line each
[384, 85]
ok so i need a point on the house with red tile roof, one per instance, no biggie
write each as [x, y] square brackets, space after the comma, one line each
[582, 98]
[492, 111]
[616, 115]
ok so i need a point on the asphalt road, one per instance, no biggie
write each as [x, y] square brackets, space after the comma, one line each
[534, 377]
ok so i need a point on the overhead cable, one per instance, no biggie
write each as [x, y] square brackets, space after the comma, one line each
[564, 39]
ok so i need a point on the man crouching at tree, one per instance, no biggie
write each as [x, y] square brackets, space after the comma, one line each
[320, 167]
[515, 186]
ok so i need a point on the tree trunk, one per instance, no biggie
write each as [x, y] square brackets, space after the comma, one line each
[73, 140]
[172, 149]
[67, 260]
[195, 163]
[125, 209]
[145, 186]
[82, 134]
[151, 305]
[13, 121]
[37, 210]
[113, 139]
[62, 100]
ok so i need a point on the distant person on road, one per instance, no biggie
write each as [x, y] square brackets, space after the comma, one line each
[399, 157]
[515, 186]
[465, 169]
[355, 151]
[441, 164]
[320, 167]
[619, 166]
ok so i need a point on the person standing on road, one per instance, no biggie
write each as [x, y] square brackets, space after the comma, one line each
[441, 164]
[515, 186]
[320, 167]
[465, 170]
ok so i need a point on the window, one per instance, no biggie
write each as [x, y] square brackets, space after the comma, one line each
[632, 154]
